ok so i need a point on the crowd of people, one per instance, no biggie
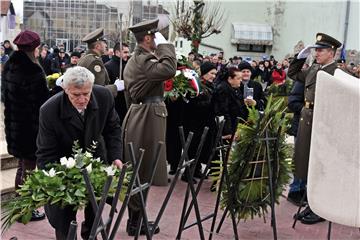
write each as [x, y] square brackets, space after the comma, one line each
[97, 85]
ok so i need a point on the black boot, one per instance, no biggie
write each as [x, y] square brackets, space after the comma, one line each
[132, 223]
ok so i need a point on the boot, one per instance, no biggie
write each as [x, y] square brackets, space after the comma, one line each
[132, 223]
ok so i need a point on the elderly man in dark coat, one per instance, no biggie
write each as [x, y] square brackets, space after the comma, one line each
[81, 112]
[153, 62]
[325, 48]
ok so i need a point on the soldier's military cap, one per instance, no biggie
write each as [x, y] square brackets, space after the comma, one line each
[325, 41]
[96, 35]
[145, 28]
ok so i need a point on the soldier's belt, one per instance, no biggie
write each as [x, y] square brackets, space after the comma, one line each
[152, 99]
[309, 105]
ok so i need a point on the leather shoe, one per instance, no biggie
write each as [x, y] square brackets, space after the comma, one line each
[37, 216]
[303, 213]
[131, 229]
[312, 218]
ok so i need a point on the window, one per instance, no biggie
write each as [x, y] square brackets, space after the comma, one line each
[181, 44]
[250, 48]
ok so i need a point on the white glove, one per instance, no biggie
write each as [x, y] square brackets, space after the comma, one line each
[159, 39]
[119, 85]
[304, 53]
[59, 81]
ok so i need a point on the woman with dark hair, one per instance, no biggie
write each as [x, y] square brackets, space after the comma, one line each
[23, 91]
[229, 100]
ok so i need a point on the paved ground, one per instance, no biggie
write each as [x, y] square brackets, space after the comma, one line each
[251, 229]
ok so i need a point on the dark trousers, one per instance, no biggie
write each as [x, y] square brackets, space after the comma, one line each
[24, 165]
[60, 219]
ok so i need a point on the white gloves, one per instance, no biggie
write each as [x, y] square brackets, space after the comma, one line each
[59, 81]
[119, 85]
[304, 53]
[159, 39]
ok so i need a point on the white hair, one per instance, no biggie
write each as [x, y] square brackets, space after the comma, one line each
[77, 76]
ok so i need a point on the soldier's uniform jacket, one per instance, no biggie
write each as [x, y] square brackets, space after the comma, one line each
[94, 64]
[308, 77]
[145, 121]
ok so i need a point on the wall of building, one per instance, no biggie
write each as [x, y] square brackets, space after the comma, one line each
[292, 21]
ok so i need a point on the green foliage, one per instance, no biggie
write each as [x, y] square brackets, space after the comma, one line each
[63, 185]
[281, 90]
[249, 193]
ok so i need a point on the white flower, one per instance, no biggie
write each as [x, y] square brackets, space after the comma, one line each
[97, 159]
[89, 168]
[178, 72]
[188, 74]
[63, 161]
[110, 171]
[51, 173]
[70, 162]
[88, 154]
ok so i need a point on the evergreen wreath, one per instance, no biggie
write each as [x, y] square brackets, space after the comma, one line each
[249, 193]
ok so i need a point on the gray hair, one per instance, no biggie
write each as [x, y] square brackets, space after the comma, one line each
[77, 76]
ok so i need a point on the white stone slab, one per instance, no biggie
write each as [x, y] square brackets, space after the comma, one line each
[334, 172]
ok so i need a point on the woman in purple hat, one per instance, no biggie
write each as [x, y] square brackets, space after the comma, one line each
[23, 91]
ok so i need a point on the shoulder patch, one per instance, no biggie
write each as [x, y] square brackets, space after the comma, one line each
[97, 68]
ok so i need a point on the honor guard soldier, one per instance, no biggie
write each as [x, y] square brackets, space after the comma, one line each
[153, 62]
[92, 61]
[325, 50]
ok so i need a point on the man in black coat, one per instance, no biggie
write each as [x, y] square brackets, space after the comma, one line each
[113, 69]
[82, 112]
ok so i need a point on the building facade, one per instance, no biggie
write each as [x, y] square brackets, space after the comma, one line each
[262, 28]
[68, 21]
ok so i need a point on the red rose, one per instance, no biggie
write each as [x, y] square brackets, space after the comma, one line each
[182, 67]
[168, 85]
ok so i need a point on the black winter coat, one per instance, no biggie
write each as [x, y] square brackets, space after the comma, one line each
[295, 104]
[198, 114]
[113, 69]
[23, 91]
[229, 102]
[61, 124]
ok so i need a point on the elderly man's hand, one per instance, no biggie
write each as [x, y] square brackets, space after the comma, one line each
[118, 163]
[250, 102]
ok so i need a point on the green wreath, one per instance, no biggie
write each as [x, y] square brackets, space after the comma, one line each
[249, 193]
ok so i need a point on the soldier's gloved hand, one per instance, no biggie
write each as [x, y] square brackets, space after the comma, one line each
[159, 39]
[59, 81]
[304, 53]
[119, 85]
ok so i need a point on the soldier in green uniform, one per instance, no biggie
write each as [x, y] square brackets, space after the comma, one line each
[92, 61]
[325, 49]
[153, 62]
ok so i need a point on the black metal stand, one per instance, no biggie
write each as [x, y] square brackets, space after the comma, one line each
[189, 171]
[187, 210]
[143, 190]
[181, 165]
[72, 231]
[299, 209]
[272, 179]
